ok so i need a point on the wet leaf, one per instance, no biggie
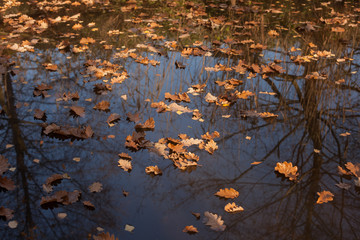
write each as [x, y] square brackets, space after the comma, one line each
[96, 187]
[13, 224]
[129, 228]
[4, 165]
[54, 180]
[343, 185]
[233, 208]
[133, 117]
[88, 205]
[211, 146]
[40, 115]
[61, 215]
[190, 229]
[6, 213]
[102, 106]
[78, 111]
[287, 169]
[105, 236]
[149, 125]
[125, 165]
[227, 193]
[197, 215]
[214, 221]
[324, 197]
[153, 170]
[353, 168]
[6, 184]
[113, 118]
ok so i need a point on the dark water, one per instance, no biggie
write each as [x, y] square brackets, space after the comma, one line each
[312, 105]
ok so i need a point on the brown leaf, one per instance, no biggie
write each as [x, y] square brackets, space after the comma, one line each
[133, 117]
[6, 184]
[54, 180]
[102, 106]
[96, 187]
[50, 66]
[153, 170]
[190, 229]
[324, 197]
[114, 117]
[125, 165]
[287, 169]
[88, 205]
[354, 168]
[233, 208]
[125, 156]
[214, 221]
[6, 213]
[148, 125]
[78, 111]
[197, 215]
[211, 146]
[38, 114]
[105, 236]
[227, 193]
[208, 136]
[4, 165]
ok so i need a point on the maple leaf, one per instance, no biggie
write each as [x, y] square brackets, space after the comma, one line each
[153, 170]
[324, 197]
[95, 187]
[233, 208]
[214, 221]
[102, 106]
[78, 111]
[287, 169]
[125, 165]
[227, 193]
[190, 229]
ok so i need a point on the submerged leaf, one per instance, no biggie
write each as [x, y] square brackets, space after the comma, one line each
[214, 221]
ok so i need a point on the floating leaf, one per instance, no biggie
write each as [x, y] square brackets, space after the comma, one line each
[4, 165]
[105, 236]
[233, 208]
[96, 187]
[354, 168]
[6, 213]
[6, 184]
[227, 193]
[214, 221]
[129, 228]
[102, 106]
[125, 164]
[287, 169]
[190, 229]
[88, 205]
[153, 170]
[324, 197]
[343, 185]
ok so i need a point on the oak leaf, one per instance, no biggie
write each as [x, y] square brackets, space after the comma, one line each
[102, 106]
[125, 165]
[287, 169]
[227, 193]
[324, 197]
[153, 170]
[214, 221]
[6, 184]
[354, 168]
[190, 229]
[211, 146]
[78, 111]
[233, 208]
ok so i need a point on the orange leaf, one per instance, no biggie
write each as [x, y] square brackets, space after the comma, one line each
[287, 169]
[153, 170]
[233, 208]
[227, 193]
[190, 229]
[324, 197]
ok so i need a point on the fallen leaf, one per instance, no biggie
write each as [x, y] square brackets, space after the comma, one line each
[197, 215]
[153, 170]
[6, 213]
[125, 165]
[287, 169]
[78, 111]
[227, 193]
[61, 215]
[96, 187]
[4, 165]
[233, 208]
[129, 228]
[190, 229]
[102, 106]
[88, 205]
[105, 236]
[6, 184]
[324, 197]
[353, 168]
[214, 221]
